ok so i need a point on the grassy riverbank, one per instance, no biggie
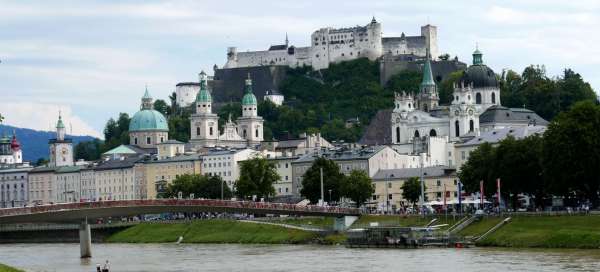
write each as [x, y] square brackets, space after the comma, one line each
[540, 232]
[213, 231]
[6, 268]
[405, 221]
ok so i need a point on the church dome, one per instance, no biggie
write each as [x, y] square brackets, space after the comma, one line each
[203, 95]
[148, 119]
[249, 98]
[479, 74]
[14, 143]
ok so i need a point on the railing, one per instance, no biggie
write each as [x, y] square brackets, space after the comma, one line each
[227, 204]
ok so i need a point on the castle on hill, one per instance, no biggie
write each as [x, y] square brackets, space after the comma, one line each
[333, 45]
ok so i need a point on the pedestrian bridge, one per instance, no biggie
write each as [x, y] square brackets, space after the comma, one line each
[75, 212]
[83, 211]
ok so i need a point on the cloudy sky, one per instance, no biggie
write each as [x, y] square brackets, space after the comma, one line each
[91, 59]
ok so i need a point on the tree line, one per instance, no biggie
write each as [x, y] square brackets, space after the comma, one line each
[563, 162]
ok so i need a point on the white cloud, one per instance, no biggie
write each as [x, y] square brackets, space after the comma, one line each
[40, 116]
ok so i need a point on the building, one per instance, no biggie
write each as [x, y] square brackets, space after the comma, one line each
[274, 96]
[148, 127]
[61, 148]
[159, 173]
[283, 166]
[331, 45]
[41, 185]
[438, 180]
[10, 151]
[116, 179]
[67, 184]
[300, 146]
[225, 163]
[170, 148]
[185, 93]
[368, 159]
[14, 186]
[246, 131]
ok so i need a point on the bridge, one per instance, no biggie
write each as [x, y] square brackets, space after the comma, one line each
[83, 211]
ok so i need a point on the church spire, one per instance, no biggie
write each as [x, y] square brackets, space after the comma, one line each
[287, 42]
[427, 74]
[146, 100]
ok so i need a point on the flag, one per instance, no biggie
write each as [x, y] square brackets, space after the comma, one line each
[481, 192]
[498, 192]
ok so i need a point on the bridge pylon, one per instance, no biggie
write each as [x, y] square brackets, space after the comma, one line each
[85, 239]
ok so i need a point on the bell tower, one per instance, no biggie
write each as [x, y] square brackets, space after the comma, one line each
[204, 123]
[61, 148]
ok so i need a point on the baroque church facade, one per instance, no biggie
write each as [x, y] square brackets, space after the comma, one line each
[246, 131]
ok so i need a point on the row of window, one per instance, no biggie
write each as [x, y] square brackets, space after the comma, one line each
[13, 177]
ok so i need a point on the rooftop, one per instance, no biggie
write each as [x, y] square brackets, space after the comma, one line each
[340, 154]
[498, 135]
[434, 171]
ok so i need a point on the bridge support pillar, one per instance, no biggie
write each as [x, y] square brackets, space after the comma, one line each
[342, 223]
[85, 239]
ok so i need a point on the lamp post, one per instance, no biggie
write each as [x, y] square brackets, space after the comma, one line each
[322, 196]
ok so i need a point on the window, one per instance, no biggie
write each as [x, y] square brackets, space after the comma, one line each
[389, 185]
[397, 134]
[135, 141]
[256, 133]
[210, 131]
[456, 129]
[244, 134]
[417, 134]
[478, 98]
[493, 98]
[432, 133]
[471, 126]
[148, 140]
[462, 155]
[162, 139]
[439, 183]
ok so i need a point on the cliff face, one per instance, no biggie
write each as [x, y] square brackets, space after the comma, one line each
[379, 130]
[228, 84]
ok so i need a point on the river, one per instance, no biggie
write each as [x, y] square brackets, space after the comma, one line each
[289, 258]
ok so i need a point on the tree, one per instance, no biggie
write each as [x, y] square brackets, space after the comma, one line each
[480, 166]
[116, 132]
[162, 107]
[408, 81]
[358, 186]
[571, 152]
[257, 176]
[446, 87]
[411, 190]
[88, 150]
[41, 162]
[202, 186]
[332, 180]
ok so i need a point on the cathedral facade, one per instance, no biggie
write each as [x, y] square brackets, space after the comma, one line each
[246, 131]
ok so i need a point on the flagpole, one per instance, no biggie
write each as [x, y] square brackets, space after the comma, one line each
[498, 193]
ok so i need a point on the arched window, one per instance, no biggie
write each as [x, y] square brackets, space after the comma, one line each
[432, 133]
[417, 134]
[493, 98]
[244, 134]
[397, 134]
[210, 131]
[148, 140]
[256, 133]
[197, 130]
[409, 105]
[425, 107]
[135, 141]
[456, 128]
[471, 126]
[478, 98]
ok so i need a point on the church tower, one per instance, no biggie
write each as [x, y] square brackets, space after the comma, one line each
[464, 115]
[204, 123]
[61, 148]
[428, 96]
[250, 125]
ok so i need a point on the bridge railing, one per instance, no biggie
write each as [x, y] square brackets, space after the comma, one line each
[242, 205]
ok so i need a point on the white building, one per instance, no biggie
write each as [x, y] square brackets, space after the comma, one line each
[10, 151]
[330, 45]
[299, 146]
[61, 148]
[14, 186]
[67, 184]
[246, 131]
[185, 93]
[226, 163]
[283, 166]
[275, 97]
[116, 179]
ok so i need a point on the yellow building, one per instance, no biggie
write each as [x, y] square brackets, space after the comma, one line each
[388, 185]
[158, 173]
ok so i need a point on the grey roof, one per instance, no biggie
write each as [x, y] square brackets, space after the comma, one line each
[15, 169]
[278, 47]
[281, 158]
[172, 142]
[480, 76]
[500, 114]
[379, 129]
[180, 158]
[289, 143]
[497, 135]
[403, 173]
[69, 169]
[343, 155]
[188, 84]
[118, 163]
[43, 169]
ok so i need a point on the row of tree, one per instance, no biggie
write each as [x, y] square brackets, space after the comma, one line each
[564, 161]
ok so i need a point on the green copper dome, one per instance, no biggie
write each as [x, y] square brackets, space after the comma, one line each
[146, 119]
[249, 98]
[203, 95]
[427, 75]
[60, 124]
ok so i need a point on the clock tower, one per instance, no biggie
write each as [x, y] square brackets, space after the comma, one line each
[61, 148]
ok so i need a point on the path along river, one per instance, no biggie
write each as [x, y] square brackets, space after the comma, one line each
[289, 258]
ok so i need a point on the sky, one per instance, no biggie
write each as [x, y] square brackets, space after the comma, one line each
[91, 60]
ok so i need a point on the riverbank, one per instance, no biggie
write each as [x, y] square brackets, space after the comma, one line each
[576, 231]
[6, 268]
[214, 231]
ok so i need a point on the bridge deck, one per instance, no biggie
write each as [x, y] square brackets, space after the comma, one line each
[76, 211]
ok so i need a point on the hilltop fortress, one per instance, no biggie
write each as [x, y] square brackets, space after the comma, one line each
[331, 45]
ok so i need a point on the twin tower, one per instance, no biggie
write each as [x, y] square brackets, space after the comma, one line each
[246, 131]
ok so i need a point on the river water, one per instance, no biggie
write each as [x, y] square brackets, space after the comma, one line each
[305, 258]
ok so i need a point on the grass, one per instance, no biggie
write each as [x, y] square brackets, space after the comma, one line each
[404, 221]
[547, 232]
[6, 268]
[317, 222]
[213, 231]
[478, 228]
